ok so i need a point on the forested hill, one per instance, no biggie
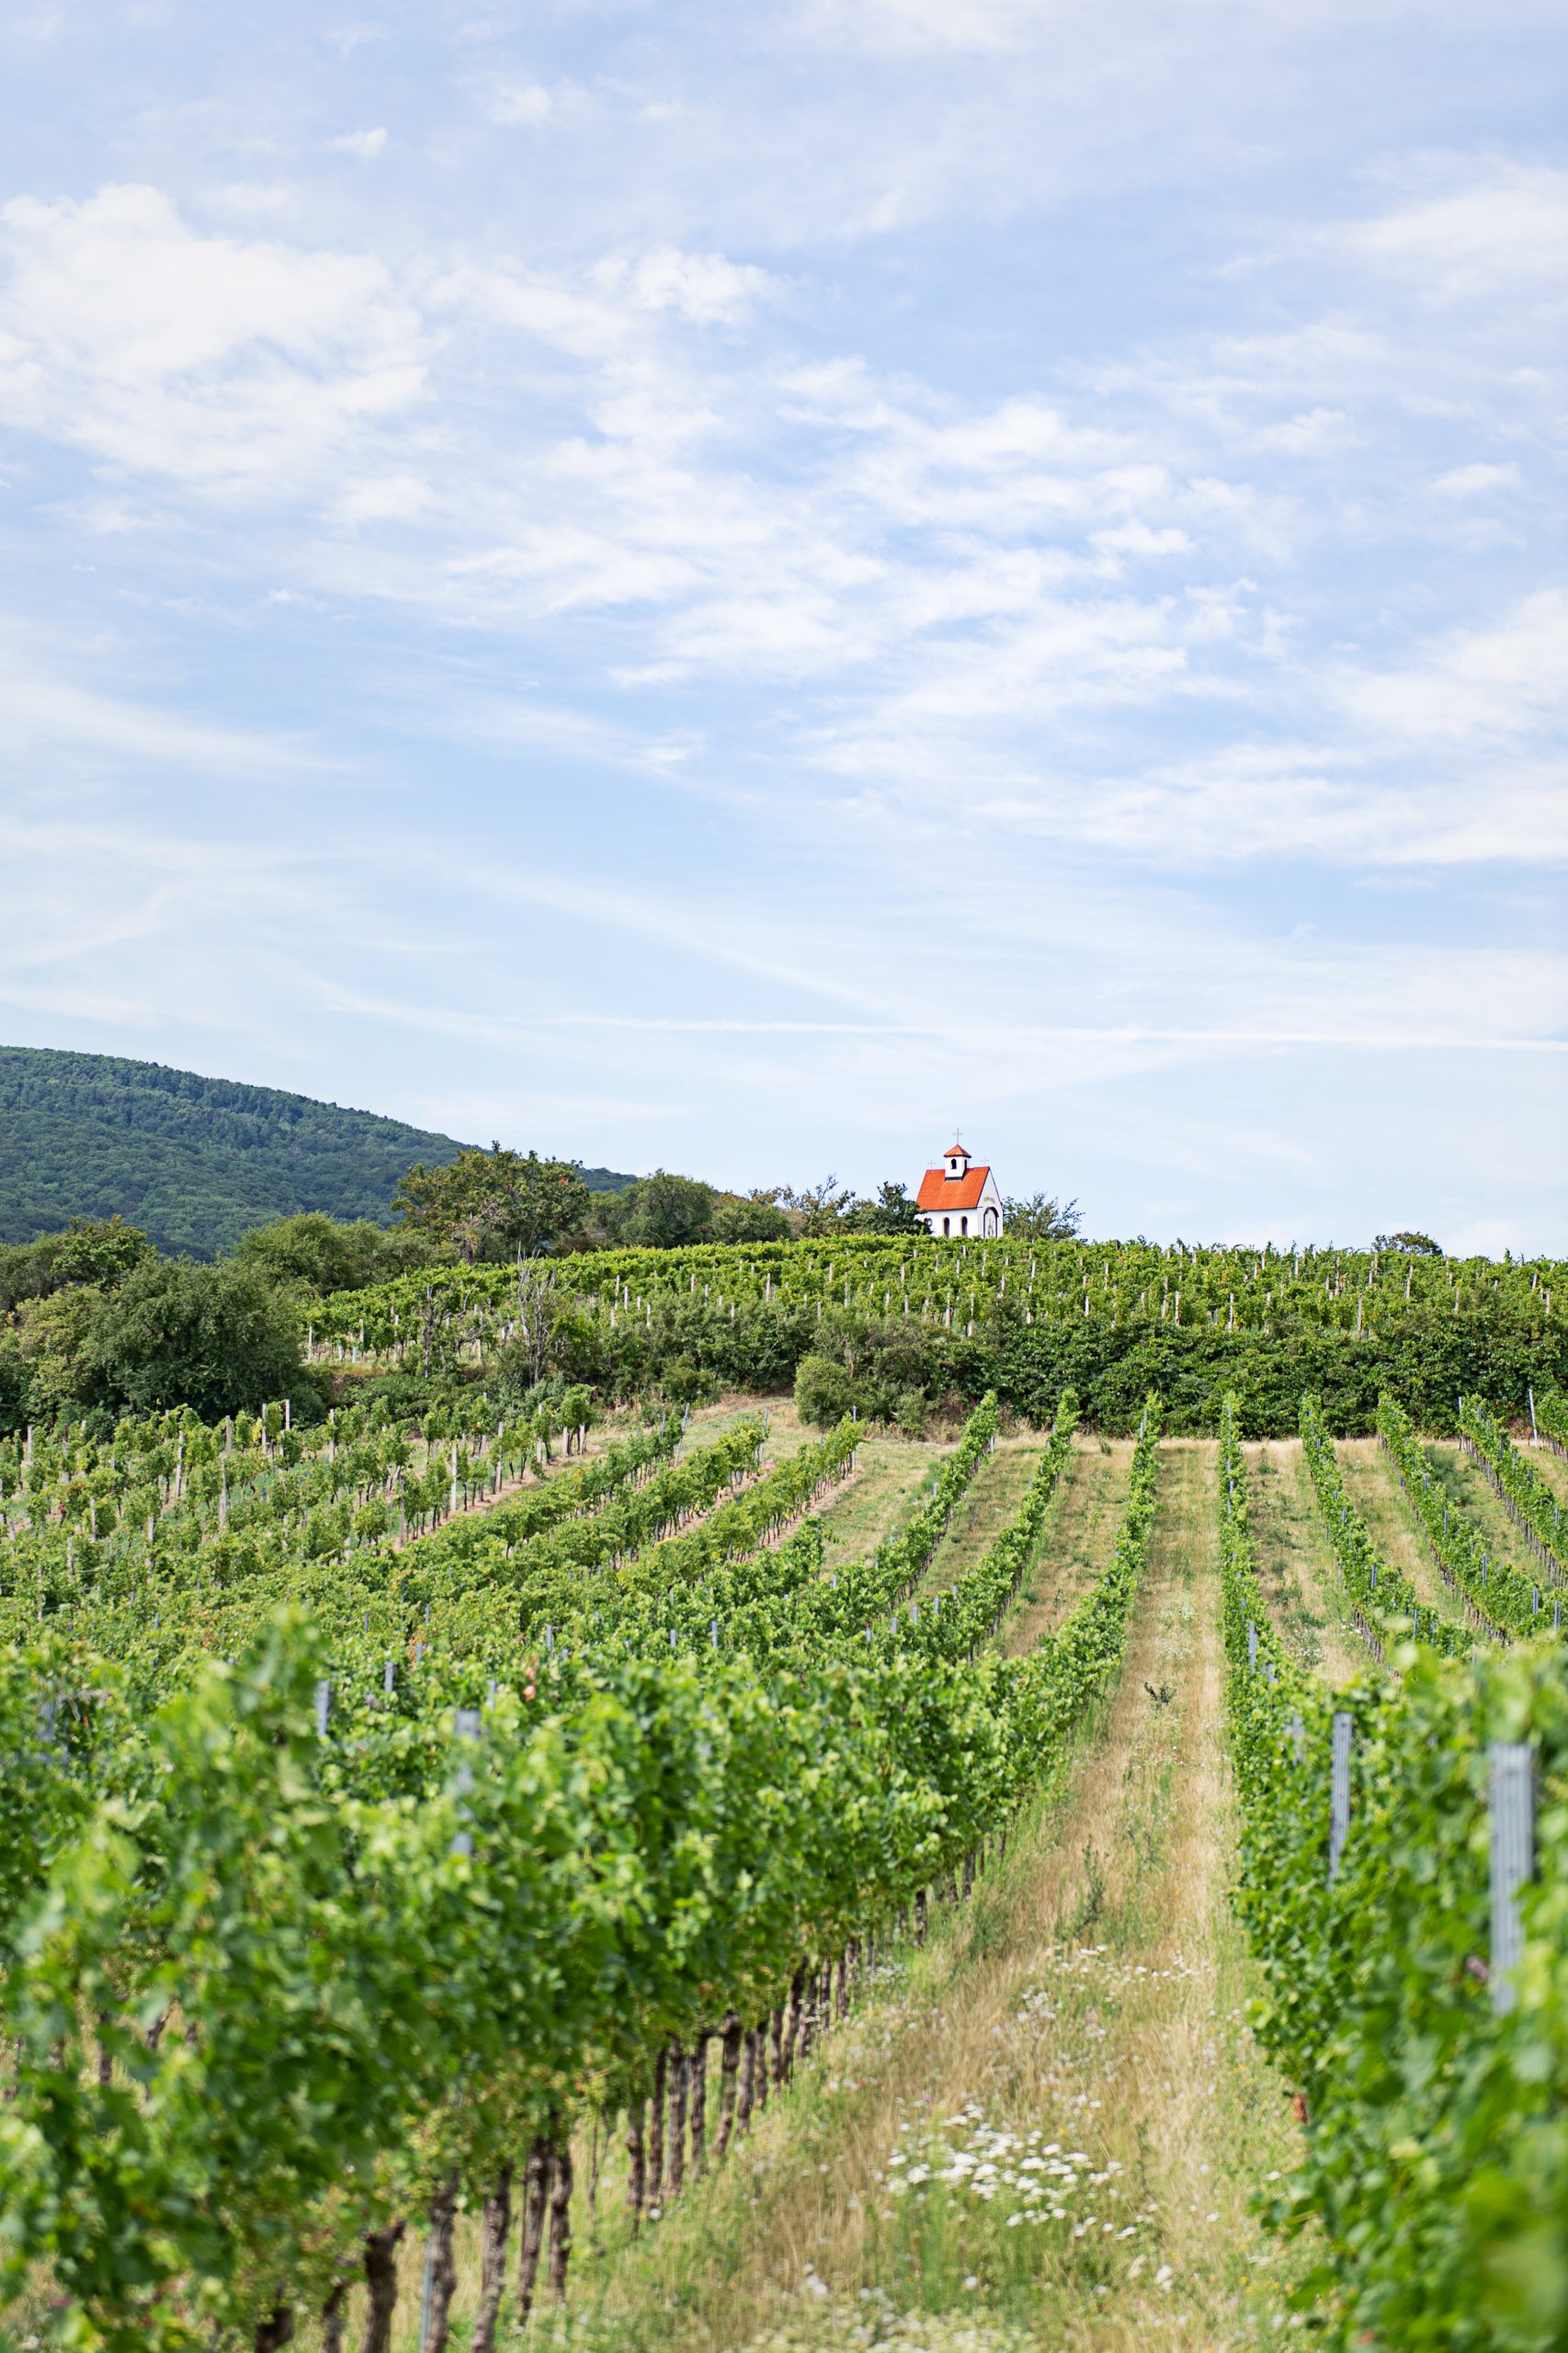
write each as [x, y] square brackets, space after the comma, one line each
[193, 1161]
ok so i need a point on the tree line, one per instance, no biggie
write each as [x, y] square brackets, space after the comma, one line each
[94, 1319]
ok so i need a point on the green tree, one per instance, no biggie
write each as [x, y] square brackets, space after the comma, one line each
[89, 1250]
[99, 1250]
[52, 1332]
[216, 1338]
[667, 1213]
[1410, 1245]
[893, 1212]
[824, 1392]
[323, 1253]
[751, 1217]
[601, 1228]
[821, 1209]
[1042, 1218]
[492, 1205]
[14, 1386]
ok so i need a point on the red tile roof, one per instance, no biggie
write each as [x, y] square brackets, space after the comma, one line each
[940, 1191]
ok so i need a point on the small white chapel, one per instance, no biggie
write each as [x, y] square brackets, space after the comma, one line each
[960, 1199]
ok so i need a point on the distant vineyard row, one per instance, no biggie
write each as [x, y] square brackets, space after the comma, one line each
[1025, 1320]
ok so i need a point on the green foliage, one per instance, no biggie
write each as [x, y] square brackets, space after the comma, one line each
[16, 1385]
[1379, 1592]
[752, 1217]
[1436, 2162]
[321, 1255]
[909, 1316]
[664, 1211]
[893, 1212]
[1499, 1596]
[90, 1250]
[824, 1392]
[194, 1161]
[1528, 1501]
[335, 1922]
[324, 1254]
[215, 1338]
[494, 1205]
[1042, 1218]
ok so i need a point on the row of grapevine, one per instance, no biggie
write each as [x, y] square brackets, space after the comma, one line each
[958, 1286]
[167, 1496]
[1496, 1594]
[192, 1580]
[1377, 1589]
[285, 1973]
[1551, 1418]
[1527, 1500]
[1414, 1989]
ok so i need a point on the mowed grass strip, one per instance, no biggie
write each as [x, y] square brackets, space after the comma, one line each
[893, 1479]
[1465, 1486]
[1077, 1543]
[871, 1503]
[990, 1503]
[1096, 2022]
[1304, 1588]
[1372, 1486]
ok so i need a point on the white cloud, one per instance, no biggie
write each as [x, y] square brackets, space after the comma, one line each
[707, 289]
[1507, 679]
[164, 352]
[1491, 233]
[1142, 538]
[1474, 482]
[1316, 430]
[364, 145]
[385, 499]
[251, 198]
[527, 106]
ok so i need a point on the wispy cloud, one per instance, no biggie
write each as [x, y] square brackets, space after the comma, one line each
[722, 579]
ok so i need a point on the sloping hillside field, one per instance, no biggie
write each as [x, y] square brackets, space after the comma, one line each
[586, 1876]
[1110, 1319]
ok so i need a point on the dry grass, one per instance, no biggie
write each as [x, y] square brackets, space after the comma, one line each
[1465, 1485]
[1302, 1583]
[990, 1503]
[895, 1477]
[1079, 1539]
[1372, 1483]
[786, 1431]
[881, 1494]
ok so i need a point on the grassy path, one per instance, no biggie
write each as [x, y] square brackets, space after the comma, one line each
[992, 1500]
[1080, 1537]
[1372, 1485]
[1091, 1996]
[1305, 1592]
[887, 1490]
[1551, 1469]
[1464, 1484]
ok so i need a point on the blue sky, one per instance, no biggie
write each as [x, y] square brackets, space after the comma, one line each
[729, 588]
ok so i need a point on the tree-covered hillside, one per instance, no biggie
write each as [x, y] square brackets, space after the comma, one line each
[192, 1161]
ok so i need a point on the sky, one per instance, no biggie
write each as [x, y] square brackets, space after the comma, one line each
[735, 588]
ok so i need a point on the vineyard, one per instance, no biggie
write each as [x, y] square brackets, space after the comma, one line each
[621, 1874]
[1107, 1319]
